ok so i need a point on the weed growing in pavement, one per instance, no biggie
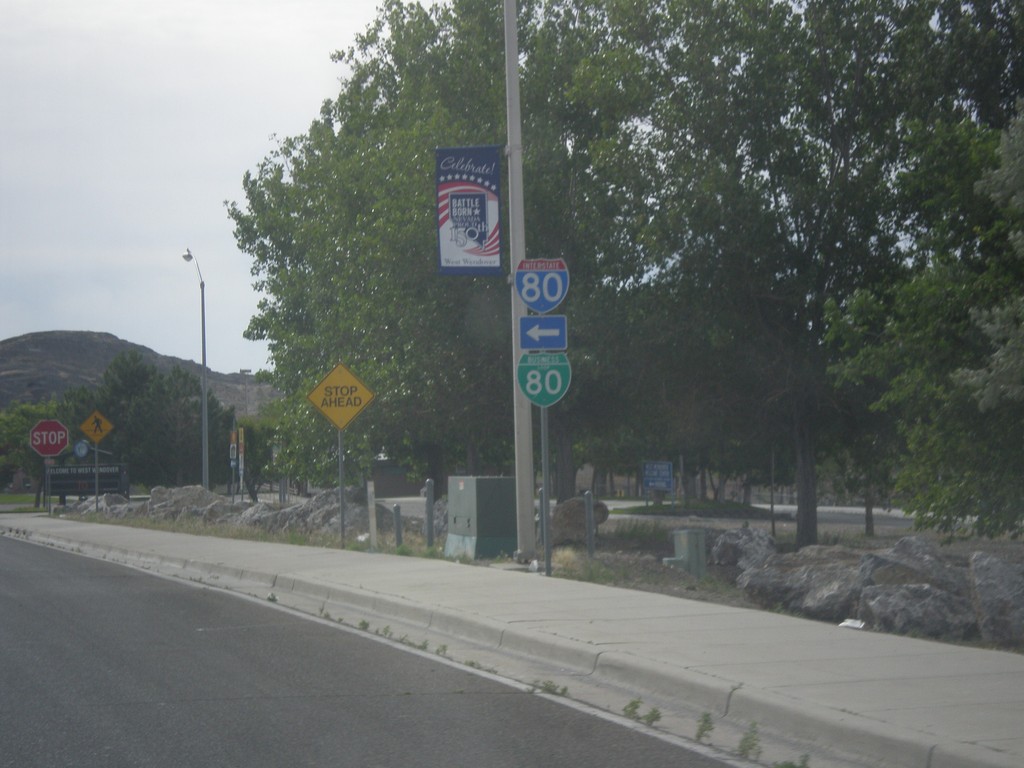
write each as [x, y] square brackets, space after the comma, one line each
[442, 650]
[632, 711]
[550, 687]
[404, 640]
[364, 624]
[652, 717]
[805, 762]
[704, 726]
[750, 744]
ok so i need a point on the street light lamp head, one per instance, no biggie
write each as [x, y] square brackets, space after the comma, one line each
[187, 256]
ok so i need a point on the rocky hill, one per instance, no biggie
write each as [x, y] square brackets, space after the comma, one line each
[37, 366]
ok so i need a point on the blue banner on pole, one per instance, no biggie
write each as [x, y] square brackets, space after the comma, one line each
[468, 210]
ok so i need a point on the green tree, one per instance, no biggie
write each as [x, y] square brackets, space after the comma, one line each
[157, 422]
[1001, 380]
[938, 346]
[15, 451]
[726, 180]
[344, 245]
[981, 57]
[340, 240]
[998, 385]
[771, 137]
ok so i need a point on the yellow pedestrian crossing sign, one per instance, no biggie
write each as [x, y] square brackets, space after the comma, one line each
[341, 396]
[96, 427]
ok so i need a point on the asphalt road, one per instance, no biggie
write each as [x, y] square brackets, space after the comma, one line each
[102, 665]
[412, 506]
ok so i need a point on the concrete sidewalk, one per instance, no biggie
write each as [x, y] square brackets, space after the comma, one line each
[841, 696]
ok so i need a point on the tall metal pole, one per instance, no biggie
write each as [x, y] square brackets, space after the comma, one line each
[96, 469]
[187, 256]
[545, 494]
[341, 487]
[206, 417]
[525, 527]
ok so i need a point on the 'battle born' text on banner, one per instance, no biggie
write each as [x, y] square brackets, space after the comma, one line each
[468, 207]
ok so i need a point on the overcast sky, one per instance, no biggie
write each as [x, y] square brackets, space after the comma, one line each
[124, 126]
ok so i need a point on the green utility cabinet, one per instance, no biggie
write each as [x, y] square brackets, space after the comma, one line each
[481, 517]
[691, 552]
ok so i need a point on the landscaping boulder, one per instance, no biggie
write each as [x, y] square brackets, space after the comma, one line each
[912, 588]
[110, 505]
[569, 520]
[912, 560]
[190, 501]
[917, 609]
[998, 598]
[745, 548]
[818, 582]
[268, 517]
[320, 514]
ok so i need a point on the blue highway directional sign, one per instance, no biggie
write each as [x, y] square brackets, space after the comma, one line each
[547, 333]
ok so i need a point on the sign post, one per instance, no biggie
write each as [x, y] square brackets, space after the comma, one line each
[48, 438]
[241, 462]
[340, 397]
[233, 461]
[544, 377]
[96, 427]
[526, 536]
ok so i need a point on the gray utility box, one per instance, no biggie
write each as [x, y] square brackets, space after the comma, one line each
[481, 517]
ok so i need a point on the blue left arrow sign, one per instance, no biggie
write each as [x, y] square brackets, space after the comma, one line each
[543, 332]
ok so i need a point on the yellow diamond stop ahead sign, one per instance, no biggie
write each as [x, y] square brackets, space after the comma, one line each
[341, 396]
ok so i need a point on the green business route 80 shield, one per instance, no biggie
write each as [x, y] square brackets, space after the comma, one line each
[544, 378]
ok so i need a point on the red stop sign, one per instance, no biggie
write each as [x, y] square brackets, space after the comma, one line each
[49, 437]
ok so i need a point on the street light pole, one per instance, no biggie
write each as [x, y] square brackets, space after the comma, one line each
[245, 387]
[526, 537]
[187, 256]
